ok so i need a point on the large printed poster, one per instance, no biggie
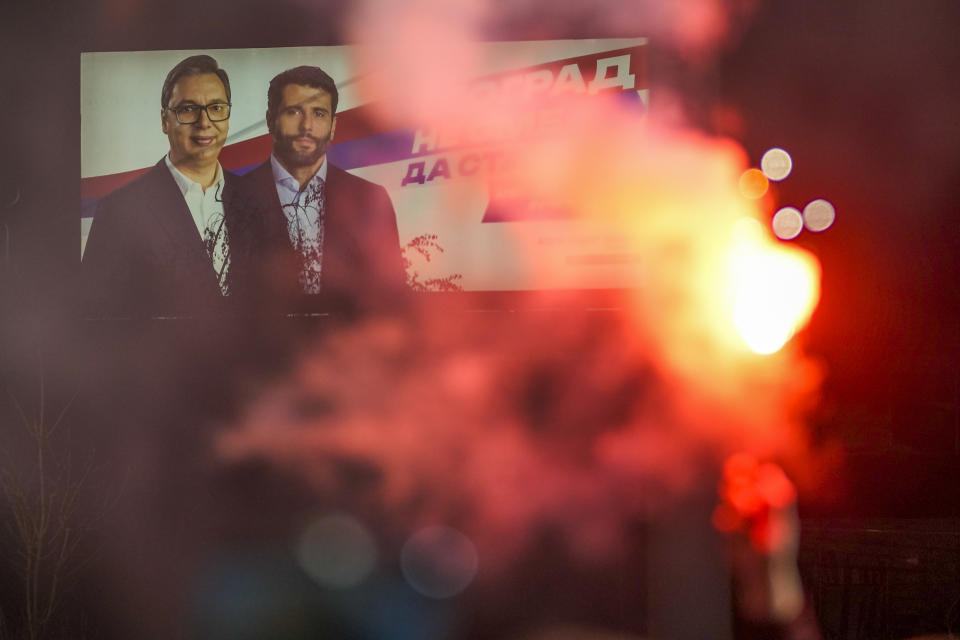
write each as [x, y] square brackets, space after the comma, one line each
[455, 233]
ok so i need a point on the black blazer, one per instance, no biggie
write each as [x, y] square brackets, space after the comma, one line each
[144, 256]
[362, 264]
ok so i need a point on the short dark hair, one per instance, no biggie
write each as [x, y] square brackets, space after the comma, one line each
[309, 77]
[192, 66]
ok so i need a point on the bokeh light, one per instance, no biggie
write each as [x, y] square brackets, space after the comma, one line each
[753, 184]
[818, 215]
[439, 561]
[787, 223]
[776, 164]
[337, 551]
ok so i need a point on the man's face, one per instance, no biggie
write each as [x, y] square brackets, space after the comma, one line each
[199, 143]
[302, 126]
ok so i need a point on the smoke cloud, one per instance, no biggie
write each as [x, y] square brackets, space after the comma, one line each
[499, 424]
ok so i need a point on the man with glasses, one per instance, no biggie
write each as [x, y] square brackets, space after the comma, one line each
[159, 246]
[328, 238]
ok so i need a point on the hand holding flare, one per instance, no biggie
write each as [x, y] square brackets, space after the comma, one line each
[759, 515]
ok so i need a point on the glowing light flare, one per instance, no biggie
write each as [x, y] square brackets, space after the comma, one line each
[774, 288]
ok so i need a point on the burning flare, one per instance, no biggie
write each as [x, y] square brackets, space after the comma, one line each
[774, 288]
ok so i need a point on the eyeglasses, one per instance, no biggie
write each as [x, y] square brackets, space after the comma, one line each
[190, 114]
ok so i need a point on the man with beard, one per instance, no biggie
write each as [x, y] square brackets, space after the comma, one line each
[323, 231]
[158, 246]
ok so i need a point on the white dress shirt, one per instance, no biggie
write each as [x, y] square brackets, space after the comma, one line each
[304, 209]
[206, 207]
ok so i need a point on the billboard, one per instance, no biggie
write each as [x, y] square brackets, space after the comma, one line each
[460, 224]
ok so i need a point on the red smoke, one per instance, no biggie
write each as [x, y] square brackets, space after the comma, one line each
[500, 423]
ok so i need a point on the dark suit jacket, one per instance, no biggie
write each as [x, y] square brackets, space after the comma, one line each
[144, 256]
[362, 264]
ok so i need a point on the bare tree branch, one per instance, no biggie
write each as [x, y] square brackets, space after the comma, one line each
[42, 504]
